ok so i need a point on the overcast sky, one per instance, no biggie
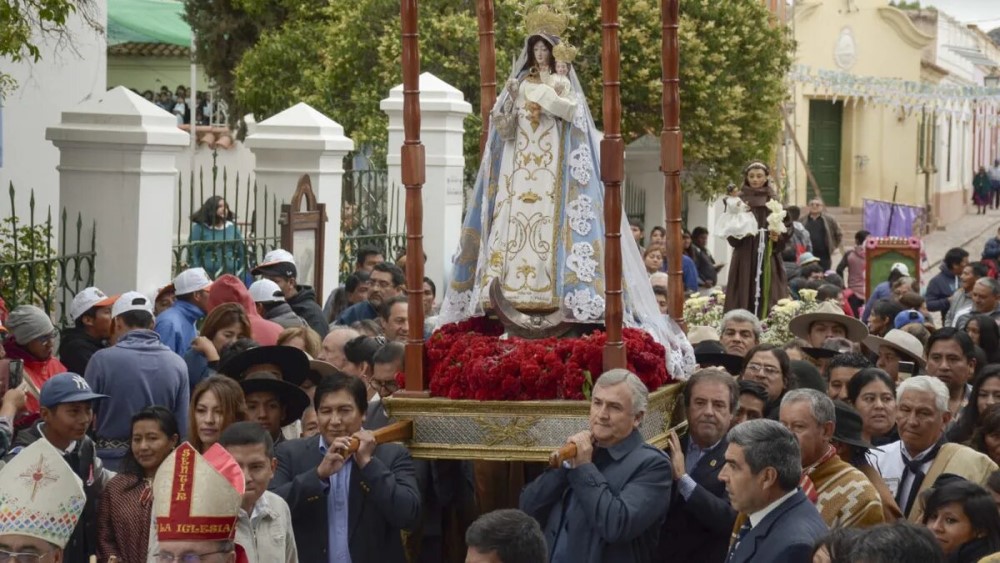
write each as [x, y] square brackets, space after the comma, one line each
[984, 13]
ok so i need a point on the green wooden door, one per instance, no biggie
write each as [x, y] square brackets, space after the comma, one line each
[825, 121]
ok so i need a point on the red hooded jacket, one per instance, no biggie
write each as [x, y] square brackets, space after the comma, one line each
[39, 371]
[229, 289]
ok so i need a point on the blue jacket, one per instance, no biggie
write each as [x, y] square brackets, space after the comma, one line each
[689, 271]
[992, 249]
[608, 510]
[198, 367]
[357, 312]
[940, 289]
[135, 373]
[786, 535]
[881, 291]
[176, 326]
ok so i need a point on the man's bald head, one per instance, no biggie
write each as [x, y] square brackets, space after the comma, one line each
[333, 345]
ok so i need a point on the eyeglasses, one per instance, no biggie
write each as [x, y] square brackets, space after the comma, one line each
[6, 556]
[186, 558]
[46, 338]
[385, 388]
[769, 371]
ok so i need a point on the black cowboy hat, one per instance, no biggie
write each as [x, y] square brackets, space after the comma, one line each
[832, 347]
[709, 353]
[848, 426]
[291, 396]
[292, 362]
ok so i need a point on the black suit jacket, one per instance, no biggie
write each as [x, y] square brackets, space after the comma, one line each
[382, 500]
[786, 535]
[698, 529]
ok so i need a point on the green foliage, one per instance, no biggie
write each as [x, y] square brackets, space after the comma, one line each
[343, 58]
[22, 24]
[27, 269]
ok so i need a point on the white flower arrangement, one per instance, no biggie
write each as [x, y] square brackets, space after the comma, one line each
[780, 316]
[776, 217]
[705, 310]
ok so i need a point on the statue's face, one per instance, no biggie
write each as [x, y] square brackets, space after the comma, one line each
[541, 52]
[756, 178]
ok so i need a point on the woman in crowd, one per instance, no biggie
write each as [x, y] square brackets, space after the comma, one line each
[213, 223]
[31, 338]
[360, 354]
[984, 333]
[985, 393]
[303, 338]
[963, 519]
[226, 324]
[124, 519]
[768, 365]
[216, 403]
[653, 259]
[872, 392]
[987, 437]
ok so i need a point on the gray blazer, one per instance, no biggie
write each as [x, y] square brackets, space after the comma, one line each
[608, 510]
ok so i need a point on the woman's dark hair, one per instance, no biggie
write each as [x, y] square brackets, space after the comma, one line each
[207, 216]
[969, 419]
[976, 503]
[228, 393]
[697, 232]
[168, 425]
[887, 309]
[859, 380]
[362, 349]
[989, 425]
[238, 347]
[835, 280]
[861, 236]
[787, 377]
[989, 337]
[530, 63]
[838, 544]
[827, 292]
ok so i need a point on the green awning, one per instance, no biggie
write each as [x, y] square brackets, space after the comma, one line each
[147, 21]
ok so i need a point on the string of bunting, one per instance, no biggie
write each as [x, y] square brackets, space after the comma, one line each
[961, 102]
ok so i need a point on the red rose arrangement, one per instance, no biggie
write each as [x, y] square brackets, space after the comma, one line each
[469, 360]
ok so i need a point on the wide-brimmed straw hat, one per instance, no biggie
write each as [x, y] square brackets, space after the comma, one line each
[828, 311]
[902, 342]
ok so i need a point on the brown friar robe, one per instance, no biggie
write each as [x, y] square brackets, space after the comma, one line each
[741, 289]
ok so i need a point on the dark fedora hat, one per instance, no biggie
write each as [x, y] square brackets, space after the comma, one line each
[292, 363]
[710, 353]
[848, 427]
[293, 398]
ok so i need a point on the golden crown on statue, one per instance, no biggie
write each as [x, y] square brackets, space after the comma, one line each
[564, 52]
[550, 17]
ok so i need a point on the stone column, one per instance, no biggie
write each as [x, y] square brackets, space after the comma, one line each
[442, 112]
[118, 167]
[297, 141]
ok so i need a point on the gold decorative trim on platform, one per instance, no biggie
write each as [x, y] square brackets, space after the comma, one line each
[514, 430]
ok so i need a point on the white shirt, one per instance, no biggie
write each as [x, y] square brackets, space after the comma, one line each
[889, 463]
[757, 517]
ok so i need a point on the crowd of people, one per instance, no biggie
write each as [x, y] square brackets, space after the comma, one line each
[179, 103]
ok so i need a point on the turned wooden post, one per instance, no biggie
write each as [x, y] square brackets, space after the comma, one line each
[487, 67]
[671, 157]
[412, 163]
[612, 174]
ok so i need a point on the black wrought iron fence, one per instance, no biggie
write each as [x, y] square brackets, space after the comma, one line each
[33, 271]
[233, 241]
[370, 217]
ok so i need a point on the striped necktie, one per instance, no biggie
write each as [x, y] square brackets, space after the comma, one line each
[744, 530]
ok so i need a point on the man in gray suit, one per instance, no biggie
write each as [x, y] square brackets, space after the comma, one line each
[776, 523]
[349, 508]
[611, 500]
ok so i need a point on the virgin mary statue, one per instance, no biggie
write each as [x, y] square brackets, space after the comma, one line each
[535, 220]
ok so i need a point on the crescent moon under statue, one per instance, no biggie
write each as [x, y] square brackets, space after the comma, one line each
[523, 325]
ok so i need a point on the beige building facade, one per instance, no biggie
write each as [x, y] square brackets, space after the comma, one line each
[856, 150]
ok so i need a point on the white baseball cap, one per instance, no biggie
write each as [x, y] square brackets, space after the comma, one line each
[266, 291]
[278, 262]
[191, 280]
[901, 268]
[86, 300]
[131, 301]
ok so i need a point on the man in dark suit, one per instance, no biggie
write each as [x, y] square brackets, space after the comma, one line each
[354, 506]
[777, 523]
[610, 502]
[700, 519]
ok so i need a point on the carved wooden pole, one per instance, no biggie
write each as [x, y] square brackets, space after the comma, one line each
[412, 161]
[671, 156]
[487, 67]
[612, 174]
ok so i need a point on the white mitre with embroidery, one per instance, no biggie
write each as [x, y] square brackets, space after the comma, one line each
[40, 496]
